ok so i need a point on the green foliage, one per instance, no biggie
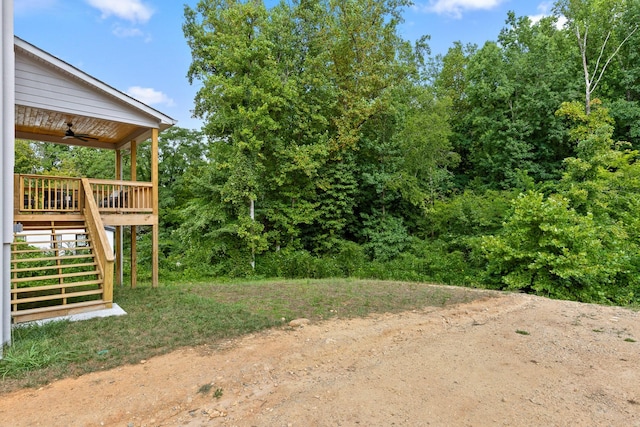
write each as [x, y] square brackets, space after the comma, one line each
[385, 237]
[582, 241]
[26, 161]
[627, 120]
[513, 87]
[297, 100]
[428, 261]
[468, 214]
[548, 248]
[347, 261]
[33, 157]
[297, 264]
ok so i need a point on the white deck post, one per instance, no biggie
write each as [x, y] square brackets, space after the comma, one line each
[7, 120]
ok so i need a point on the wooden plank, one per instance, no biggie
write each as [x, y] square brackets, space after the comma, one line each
[143, 184]
[52, 267]
[117, 240]
[42, 242]
[55, 276]
[53, 297]
[69, 225]
[14, 261]
[55, 311]
[107, 285]
[17, 194]
[33, 251]
[134, 228]
[38, 220]
[134, 219]
[59, 242]
[48, 241]
[154, 200]
[56, 286]
[134, 256]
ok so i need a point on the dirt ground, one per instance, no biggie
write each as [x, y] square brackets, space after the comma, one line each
[508, 360]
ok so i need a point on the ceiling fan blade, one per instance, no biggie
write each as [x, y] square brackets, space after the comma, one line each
[84, 135]
[79, 136]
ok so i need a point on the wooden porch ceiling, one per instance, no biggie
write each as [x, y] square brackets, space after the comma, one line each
[50, 126]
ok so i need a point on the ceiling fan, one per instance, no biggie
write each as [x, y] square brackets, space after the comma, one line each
[81, 136]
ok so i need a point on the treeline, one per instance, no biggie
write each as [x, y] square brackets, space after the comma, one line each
[334, 147]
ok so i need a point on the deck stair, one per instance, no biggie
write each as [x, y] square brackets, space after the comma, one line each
[54, 271]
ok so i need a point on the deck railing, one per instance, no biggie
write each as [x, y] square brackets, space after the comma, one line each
[122, 196]
[37, 194]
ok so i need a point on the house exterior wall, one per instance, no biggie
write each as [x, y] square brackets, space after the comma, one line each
[35, 238]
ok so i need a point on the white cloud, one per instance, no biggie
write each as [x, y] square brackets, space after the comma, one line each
[456, 8]
[561, 22]
[545, 10]
[130, 10]
[127, 32]
[536, 18]
[150, 96]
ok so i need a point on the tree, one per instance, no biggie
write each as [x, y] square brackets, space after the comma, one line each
[620, 87]
[450, 82]
[291, 98]
[26, 161]
[265, 99]
[505, 126]
[596, 25]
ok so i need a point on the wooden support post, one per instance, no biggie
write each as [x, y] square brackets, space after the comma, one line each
[155, 235]
[18, 194]
[134, 253]
[117, 241]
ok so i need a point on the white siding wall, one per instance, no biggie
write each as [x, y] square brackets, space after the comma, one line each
[35, 238]
[40, 86]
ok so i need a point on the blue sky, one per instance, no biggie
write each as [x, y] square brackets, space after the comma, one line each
[137, 46]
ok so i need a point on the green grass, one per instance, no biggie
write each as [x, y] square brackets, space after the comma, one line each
[192, 314]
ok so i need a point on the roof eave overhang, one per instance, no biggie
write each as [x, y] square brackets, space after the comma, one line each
[141, 133]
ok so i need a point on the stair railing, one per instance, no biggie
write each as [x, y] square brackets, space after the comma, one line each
[103, 251]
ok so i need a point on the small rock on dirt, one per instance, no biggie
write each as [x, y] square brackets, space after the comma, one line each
[297, 323]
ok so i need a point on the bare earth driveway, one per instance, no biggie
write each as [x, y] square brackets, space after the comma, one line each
[503, 360]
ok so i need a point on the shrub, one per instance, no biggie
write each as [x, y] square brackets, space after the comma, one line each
[549, 248]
